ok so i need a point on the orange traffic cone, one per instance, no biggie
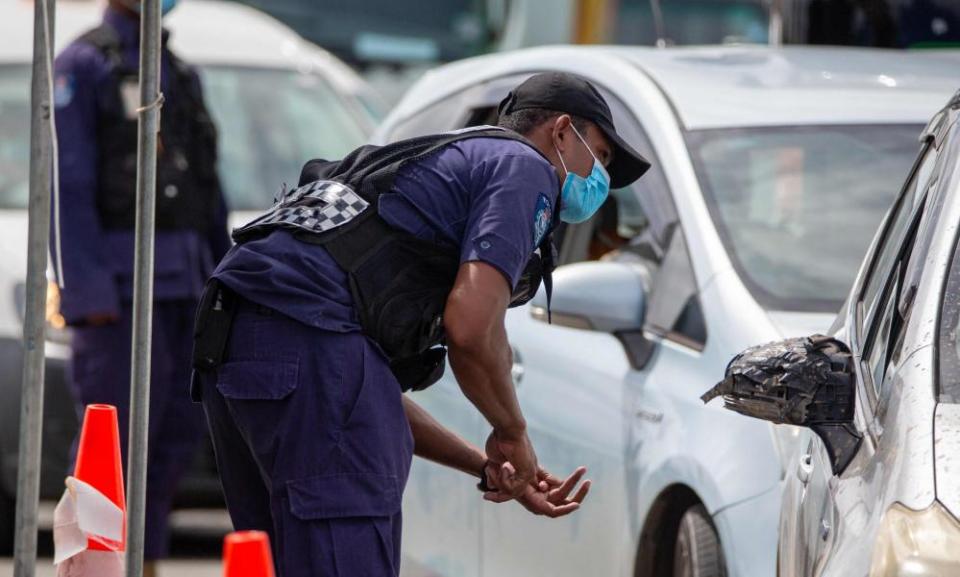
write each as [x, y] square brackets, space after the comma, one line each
[247, 554]
[99, 463]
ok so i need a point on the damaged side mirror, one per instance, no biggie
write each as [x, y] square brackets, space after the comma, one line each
[806, 381]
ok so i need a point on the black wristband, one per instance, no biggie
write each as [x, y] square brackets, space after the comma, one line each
[482, 485]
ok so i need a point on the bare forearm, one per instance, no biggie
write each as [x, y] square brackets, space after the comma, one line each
[478, 348]
[483, 373]
[436, 443]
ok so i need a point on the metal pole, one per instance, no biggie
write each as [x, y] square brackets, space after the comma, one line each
[658, 24]
[775, 28]
[34, 323]
[149, 125]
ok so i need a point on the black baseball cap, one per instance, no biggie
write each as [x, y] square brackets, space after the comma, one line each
[571, 94]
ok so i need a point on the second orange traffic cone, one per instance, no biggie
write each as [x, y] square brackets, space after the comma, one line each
[247, 554]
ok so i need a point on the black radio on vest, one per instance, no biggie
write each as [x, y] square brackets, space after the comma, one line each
[187, 185]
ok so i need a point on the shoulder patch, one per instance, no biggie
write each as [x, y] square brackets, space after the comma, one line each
[63, 89]
[542, 217]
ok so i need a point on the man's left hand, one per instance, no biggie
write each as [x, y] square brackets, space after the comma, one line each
[550, 496]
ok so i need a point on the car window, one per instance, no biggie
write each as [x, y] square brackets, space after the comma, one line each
[883, 317]
[884, 336]
[15, 132]
[648, 232]
[441, 116]
[796, 206]
[270, 123]
[896, 227]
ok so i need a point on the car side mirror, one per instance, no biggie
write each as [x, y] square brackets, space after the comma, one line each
[807, 381]
[595, 296]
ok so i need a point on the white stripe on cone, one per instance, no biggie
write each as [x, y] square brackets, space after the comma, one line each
[85, 513]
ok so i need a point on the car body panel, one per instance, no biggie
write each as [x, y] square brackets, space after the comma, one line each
[755, 552]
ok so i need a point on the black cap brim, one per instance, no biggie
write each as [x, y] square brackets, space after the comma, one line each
[628, 165]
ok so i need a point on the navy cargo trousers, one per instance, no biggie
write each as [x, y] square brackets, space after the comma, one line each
[312, 444]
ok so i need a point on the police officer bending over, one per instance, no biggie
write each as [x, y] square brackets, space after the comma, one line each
[96, 97]
[352, 289]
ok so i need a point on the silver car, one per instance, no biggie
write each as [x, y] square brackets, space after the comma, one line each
[771, 171]
[877, 493]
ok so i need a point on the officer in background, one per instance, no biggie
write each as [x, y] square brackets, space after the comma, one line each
[349, 292]
[96, 97]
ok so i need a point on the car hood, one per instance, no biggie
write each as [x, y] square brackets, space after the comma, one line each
[790, 324]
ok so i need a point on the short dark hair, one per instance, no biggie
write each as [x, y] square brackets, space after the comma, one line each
[526, 120]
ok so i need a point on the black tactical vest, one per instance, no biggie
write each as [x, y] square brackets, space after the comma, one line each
[187, 185]
[399, 282]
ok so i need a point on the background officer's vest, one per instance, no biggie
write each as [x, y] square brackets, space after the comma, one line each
[187, 185]
[399, 282]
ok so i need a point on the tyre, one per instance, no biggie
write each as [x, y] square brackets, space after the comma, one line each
[697, 552]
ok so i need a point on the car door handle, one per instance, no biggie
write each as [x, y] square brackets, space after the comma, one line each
[516, 370]
[805, 468]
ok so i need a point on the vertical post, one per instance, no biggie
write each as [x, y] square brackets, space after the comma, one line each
[775, 28]
[148, 126]
[658, 26]
[34, 323]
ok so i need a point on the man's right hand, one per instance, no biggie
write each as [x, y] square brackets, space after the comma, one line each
[514, 454]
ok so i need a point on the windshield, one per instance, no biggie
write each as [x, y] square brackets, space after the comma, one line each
[270, 122]
[797, 207]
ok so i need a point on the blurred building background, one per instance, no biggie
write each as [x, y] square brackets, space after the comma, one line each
[405, 31]
[393, 41]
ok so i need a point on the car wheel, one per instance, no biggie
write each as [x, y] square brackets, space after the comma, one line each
[8, 520]
[697, 551]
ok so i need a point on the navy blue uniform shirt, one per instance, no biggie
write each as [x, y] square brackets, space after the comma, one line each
[491, 198]
[98, 263]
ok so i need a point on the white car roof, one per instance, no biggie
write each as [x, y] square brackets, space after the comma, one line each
[738, 86]
[203, 31]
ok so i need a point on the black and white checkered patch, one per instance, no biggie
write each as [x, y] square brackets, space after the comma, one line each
[316, 207]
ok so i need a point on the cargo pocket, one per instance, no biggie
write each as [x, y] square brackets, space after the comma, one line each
[349, 523]
[258, 380]
[258, 395]
[344, 495]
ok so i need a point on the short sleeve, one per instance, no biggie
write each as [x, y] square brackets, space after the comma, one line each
[512, 201]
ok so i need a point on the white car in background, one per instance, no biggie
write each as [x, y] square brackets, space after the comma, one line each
[772, 168]
[277, 100]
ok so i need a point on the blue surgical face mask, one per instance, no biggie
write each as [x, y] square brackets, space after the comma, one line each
[582, 197]
[165, 6]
